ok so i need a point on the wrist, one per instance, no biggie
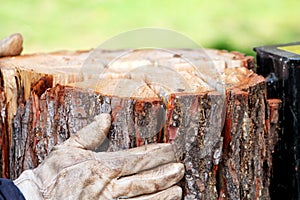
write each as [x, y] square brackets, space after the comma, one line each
[29, 186]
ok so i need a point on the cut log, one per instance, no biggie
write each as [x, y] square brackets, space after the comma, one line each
[153, 96]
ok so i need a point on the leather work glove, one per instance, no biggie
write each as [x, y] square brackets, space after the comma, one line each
[74, 171]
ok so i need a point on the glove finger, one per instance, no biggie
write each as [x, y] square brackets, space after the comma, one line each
[91, 136]
[173, 193]
[132, 161]
[148, 182]
[11, 45]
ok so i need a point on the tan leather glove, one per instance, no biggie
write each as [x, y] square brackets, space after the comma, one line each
[74, 171]
[11, 45]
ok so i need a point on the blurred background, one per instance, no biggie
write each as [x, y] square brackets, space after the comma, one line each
[77, 25]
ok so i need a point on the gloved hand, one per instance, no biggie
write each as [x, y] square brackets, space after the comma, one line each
[74, 171]
[11, 45]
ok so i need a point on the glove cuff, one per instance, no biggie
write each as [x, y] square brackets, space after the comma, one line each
[29, 186]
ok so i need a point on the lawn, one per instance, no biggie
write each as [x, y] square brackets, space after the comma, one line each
[228, 24]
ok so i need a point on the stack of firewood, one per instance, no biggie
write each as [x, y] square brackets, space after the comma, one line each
[208, 102]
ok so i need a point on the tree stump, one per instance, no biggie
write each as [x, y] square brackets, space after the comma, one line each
[184, 97]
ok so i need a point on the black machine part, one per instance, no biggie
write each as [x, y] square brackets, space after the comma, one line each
[280, 65]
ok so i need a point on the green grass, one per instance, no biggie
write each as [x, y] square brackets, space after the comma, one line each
[228, 24]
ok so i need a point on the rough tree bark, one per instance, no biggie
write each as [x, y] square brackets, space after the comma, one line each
[47, 97]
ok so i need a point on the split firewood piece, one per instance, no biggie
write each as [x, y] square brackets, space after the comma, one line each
[249, 139]
[241, 169]
[271, 139]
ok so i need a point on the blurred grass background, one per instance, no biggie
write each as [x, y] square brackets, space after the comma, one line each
[75, 24]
